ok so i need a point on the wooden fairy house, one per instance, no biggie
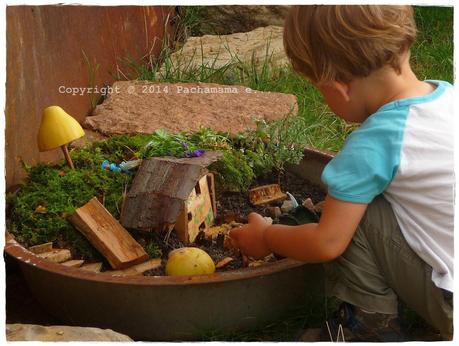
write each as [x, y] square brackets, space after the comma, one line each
[169, 193]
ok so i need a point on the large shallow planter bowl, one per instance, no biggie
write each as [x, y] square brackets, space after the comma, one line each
[175, 308]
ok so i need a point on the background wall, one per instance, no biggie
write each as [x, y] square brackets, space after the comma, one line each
[53, 46]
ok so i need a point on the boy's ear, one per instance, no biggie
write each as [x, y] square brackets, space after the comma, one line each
[342, 88]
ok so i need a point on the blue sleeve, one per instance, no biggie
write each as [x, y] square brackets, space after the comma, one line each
[368, 161]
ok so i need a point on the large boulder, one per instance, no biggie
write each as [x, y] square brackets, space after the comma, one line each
[224, 20]
[33, 332]
[264, 44]
[143, 107]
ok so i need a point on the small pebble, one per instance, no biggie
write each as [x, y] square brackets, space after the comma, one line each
[268, 220]
[309, 205]
[287, 206]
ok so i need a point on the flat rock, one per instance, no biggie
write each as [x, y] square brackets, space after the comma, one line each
[216, 51]
[143, 107]
[33, 332]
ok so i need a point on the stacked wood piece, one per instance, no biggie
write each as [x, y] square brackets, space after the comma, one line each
[107, 235]
[62, 256]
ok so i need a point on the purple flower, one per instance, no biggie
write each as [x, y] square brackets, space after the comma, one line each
[185, 145]
[196, 153]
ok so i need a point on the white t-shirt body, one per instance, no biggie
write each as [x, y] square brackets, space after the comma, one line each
[406, 151]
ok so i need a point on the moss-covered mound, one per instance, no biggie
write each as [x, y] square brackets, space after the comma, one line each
[38, 212]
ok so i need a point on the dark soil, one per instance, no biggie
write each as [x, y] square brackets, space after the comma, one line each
[236, 206]
[231, 207]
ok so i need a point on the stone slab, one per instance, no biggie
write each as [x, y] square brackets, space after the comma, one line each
[143, 107]
[216, 51]
[33, 332]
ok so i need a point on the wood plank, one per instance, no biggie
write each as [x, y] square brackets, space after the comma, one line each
[92, 267]
[137, 269]
[73, 263]
[56, 255]
[107, 235]
[37, 249]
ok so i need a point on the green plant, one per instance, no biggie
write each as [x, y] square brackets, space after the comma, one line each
[272, 145]
[163, 143]
[189, 21]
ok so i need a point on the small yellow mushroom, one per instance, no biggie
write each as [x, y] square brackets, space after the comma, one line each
[57, 129]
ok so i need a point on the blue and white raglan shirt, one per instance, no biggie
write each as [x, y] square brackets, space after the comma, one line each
[406, 151]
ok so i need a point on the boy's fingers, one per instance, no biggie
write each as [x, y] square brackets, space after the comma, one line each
[255, 218]
[234, 233]
[234, 242]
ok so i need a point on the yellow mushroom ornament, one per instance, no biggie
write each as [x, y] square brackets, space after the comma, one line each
[189, 261]
[57, 129]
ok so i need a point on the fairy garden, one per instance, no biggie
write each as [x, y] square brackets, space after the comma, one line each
[151, 204]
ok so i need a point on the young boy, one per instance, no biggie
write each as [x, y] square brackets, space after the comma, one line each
[386, 230]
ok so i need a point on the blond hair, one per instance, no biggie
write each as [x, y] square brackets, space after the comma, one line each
[326, 43]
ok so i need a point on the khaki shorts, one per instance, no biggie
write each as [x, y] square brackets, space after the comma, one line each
[379, 267]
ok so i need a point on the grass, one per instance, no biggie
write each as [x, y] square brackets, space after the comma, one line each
[431, 59]
[310, 314]
[432, 54]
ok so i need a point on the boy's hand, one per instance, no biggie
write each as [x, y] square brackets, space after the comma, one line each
[250, 238]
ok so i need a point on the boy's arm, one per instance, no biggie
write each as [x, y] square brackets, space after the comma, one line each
[318, 242]
[310, 242]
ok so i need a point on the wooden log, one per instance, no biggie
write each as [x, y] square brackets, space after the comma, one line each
[37, 249]
[107, 235]
[56, 255]
[92, 267]
[266, 194]
[137, 269]
[73, 263]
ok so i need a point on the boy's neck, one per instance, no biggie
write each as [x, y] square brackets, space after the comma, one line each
[385, 85]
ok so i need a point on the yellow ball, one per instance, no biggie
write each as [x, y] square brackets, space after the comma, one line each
[189, 261]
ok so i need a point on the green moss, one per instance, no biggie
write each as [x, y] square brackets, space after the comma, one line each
[233, 171]
[38, 213]
[153, 250]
